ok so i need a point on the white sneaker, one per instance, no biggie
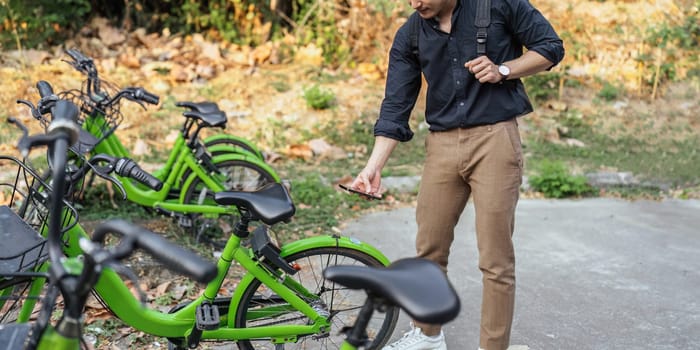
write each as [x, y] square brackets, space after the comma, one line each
[416, 340]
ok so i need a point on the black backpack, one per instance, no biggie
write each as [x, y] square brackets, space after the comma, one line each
[482, 22]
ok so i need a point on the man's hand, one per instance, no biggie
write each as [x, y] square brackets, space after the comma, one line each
[368, 180]
[484, 70]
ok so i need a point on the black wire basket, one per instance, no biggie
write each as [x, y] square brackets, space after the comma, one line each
[24, 211]
[97, 118]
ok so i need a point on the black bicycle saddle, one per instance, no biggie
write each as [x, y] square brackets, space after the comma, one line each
[416, 285]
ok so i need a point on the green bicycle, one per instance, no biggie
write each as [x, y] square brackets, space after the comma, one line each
[96, 98]
[38, 207]
[184, 186]
[282, 301]
[404, 283]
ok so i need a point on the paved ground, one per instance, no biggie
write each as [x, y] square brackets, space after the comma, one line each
[592, 274]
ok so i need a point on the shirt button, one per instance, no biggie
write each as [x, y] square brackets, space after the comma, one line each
[454, 60]
[458, 82]
[461, 103]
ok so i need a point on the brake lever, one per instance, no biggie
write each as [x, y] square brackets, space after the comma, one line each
[131, 96]
[35, 111]
[114, 181]
[104, 171]
[22, 145]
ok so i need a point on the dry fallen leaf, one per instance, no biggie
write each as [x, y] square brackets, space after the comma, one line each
[299, 151]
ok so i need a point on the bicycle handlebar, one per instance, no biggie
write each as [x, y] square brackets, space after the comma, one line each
[77, 56]
[48, 98]
[128, 168]
[176, 258]
[44, 88]
[86, 65]
[65, 116]
[145, 96]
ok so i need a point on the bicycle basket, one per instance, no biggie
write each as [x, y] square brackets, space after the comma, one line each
[97, 120]
[24, 209]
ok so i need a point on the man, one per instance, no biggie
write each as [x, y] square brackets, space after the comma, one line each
[473, 148]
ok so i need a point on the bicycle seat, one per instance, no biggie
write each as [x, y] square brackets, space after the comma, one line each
[270, 204]
[211, 119]
[202, 107]
[416, 285]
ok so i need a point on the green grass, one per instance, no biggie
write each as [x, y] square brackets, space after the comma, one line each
[672, 162]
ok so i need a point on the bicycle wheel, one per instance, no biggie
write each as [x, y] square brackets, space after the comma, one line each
[236, 143]
[16, 297]
[235, 175]
[342, 304]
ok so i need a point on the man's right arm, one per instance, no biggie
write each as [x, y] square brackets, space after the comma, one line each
[402, 87]
[369, 179]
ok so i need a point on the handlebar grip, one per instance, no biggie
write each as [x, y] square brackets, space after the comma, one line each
[44, 88]
[76, 55]
[146, 96]
[174, 257]
[128, 168]
[48, 98]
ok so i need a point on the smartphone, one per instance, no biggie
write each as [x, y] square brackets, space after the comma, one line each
[363, 194]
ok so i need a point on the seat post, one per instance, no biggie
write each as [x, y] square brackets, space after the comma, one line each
[357, 336]
[241, 229]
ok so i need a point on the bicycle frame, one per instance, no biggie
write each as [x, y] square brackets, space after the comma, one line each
[95, 123]
[180, 324]
[180, 160]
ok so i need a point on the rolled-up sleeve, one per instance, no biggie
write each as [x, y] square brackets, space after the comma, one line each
[402, 88]
[535, 32]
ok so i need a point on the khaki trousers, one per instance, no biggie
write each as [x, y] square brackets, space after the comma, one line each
[485, 162]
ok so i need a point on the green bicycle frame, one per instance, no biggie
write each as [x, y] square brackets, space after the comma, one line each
[96, 122]
[180, 324]
[180, 160]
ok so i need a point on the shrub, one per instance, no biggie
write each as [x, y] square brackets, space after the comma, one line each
[31, 23]
[554, 181]
[609, 92]
[543, 86]
[319, 98]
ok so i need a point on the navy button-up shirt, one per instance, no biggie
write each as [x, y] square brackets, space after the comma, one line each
[455, 98]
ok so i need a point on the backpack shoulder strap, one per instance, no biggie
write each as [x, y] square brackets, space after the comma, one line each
[414, 27]
[482, 22]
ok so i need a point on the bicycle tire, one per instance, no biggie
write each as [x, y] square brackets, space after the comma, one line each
[312, 262]
[13, 296]
[245, 146]
[239, 176]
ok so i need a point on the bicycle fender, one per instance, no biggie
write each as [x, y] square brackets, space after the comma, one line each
[249, 159]
[234, 138]
[326, 241]
[223, 149]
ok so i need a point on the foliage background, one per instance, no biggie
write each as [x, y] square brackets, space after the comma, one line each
[624, 98]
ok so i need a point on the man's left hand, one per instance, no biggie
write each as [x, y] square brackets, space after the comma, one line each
[484, 70]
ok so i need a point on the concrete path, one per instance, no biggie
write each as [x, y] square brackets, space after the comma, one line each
[591, 274]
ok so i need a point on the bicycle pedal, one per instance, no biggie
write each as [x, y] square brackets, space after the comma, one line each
[184, 221]
[207, 317]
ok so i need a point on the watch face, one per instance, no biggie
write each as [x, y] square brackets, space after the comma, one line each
[504, 70]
